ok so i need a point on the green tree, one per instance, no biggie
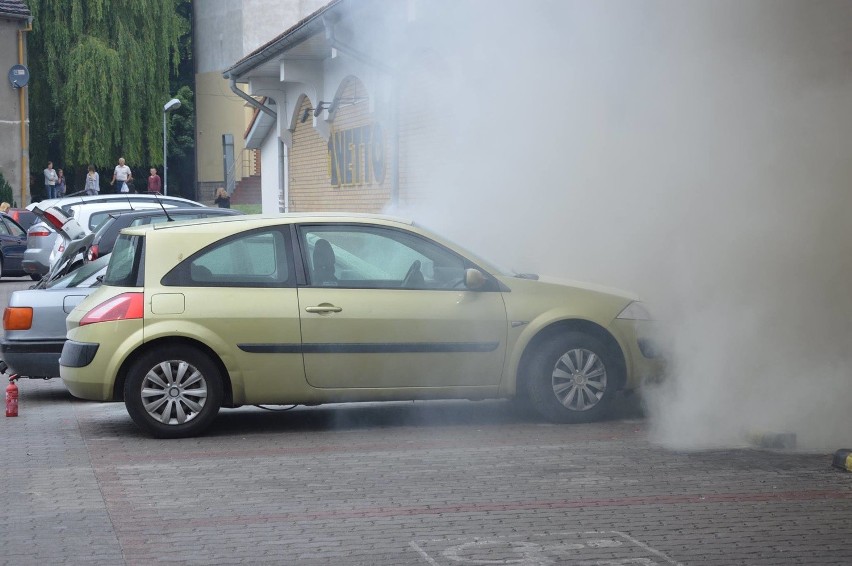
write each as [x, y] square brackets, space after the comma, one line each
[5, 190]
[182, 146]
[101, 73]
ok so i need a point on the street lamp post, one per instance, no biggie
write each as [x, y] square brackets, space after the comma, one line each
[172, 104]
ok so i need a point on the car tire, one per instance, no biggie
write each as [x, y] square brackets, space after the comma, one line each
[173, 392]
[35, 276]
[572, 378]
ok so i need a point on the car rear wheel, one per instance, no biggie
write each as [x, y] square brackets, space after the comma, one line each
[572, 378]
[173, 392]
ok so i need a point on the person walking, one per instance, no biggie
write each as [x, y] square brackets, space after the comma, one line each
[123, 175]
[93, 181]
[154, 181]
[60, 183]
[50, 178]
[222, 198]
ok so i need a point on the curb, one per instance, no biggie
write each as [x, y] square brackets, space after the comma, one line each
[843, 460]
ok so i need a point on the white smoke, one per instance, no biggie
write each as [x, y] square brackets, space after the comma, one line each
[699, 153]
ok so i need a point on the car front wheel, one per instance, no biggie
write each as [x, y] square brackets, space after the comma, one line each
[173, 392]
[572, 378]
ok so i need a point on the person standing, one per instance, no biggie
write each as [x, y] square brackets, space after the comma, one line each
[60, 183]
[123, 175]
[50, 178]
[222, 198]
[93, 181]
[154, 181]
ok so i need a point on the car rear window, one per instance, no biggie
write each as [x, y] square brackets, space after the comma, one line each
[78, 276]
[125, 264]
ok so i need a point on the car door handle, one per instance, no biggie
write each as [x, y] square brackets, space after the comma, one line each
[323, 308]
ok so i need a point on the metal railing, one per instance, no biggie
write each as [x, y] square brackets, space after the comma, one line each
[246, 164]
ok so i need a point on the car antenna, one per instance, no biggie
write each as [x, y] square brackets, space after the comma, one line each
[157, 196]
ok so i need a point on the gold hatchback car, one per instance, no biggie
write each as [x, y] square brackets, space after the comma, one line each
[321, 308]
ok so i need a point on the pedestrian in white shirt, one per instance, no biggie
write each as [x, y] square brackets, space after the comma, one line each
[50, 179]
[123, 175]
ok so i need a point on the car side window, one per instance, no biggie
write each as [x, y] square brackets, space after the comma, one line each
[260, 258]
[375, 257]
[4, 228]
[15, 230]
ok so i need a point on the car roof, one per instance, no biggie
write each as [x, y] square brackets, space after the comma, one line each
[122, 218]
[260, 220]
[178, 211]
[80, 199]
[119, 206]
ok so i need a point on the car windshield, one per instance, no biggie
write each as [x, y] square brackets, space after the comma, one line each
[81, 275]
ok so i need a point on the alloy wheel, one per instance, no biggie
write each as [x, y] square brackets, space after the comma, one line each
[579, 379]
[174, 392]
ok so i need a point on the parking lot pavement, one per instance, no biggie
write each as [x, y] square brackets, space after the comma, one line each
[433, 483]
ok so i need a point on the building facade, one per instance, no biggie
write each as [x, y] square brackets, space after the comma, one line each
[345, 108]
[15, 21]
[225, 31]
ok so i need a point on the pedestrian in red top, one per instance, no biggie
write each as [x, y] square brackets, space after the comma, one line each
[155, 184]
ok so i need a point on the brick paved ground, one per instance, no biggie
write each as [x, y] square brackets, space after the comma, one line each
[440, 483]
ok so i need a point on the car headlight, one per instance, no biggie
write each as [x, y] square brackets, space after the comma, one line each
[635, 311]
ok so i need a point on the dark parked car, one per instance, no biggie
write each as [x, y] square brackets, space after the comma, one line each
[13, 242]
[108, 232]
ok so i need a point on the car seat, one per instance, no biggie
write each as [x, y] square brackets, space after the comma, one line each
[323, 263]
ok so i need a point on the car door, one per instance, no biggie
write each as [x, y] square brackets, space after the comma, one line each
[387, 308]
[13, 240]
[240, 292]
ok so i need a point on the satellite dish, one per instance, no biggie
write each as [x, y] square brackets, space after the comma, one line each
[19, 76]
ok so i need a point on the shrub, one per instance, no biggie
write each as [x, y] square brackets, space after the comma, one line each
[5, 190]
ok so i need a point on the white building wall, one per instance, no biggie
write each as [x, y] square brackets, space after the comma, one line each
[271, 179]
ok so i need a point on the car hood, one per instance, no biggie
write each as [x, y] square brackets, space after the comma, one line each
[530, 299]
[590, 287]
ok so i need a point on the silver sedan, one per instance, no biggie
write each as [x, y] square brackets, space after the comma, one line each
[34, 321]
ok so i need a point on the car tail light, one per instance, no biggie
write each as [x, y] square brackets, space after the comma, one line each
[39, 233]
[126, 306]
[55, 218]
[17, 318]
[92, 254]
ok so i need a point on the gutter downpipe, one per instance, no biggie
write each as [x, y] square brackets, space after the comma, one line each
[262, 107]
[25, 177]
[358, 56]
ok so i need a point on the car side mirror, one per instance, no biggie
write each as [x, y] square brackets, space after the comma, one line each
[474, 279]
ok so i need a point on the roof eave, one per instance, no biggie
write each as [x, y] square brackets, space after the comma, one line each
[300, 32]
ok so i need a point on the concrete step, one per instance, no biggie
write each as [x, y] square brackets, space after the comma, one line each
[247, 191]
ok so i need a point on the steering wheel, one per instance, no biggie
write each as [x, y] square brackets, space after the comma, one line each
[411, 274]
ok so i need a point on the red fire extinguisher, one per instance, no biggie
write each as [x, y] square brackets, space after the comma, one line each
[12, 398]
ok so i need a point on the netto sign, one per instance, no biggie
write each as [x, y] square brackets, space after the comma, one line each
[357, 156]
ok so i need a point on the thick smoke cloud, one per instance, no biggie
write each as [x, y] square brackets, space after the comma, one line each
[698, 153]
